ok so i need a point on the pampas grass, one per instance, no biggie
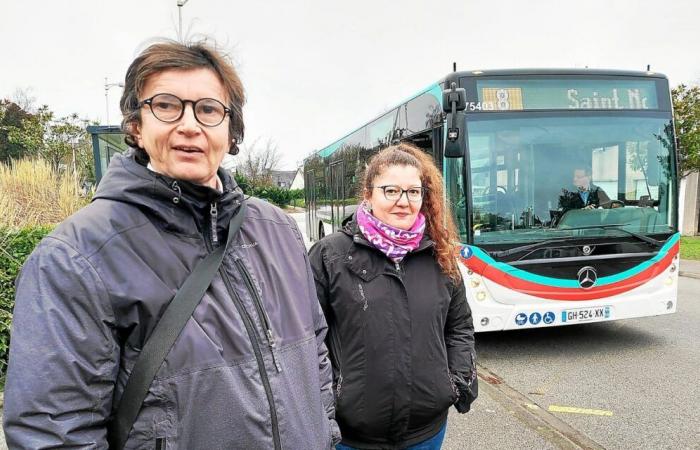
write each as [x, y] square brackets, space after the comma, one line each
[33, 193]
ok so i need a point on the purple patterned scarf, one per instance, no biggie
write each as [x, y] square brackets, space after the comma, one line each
[393, 242]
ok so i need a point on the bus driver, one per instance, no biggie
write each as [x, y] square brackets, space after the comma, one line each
[586, 194]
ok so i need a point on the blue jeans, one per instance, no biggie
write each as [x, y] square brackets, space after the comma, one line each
[434, 443]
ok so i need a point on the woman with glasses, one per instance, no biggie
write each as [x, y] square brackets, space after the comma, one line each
[400, 337]
[249, 369]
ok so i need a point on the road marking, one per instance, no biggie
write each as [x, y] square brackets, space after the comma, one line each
[574, 410]
[546, 424]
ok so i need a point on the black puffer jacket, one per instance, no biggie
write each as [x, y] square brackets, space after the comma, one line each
[401, 340]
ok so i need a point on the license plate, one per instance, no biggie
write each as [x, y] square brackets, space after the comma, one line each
[586, 314]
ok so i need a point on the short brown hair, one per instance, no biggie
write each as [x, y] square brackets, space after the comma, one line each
[173, 55]
[439, 224]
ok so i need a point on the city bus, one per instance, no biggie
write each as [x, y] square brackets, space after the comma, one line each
[511, 145]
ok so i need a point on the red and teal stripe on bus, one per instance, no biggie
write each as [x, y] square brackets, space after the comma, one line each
[551, 288]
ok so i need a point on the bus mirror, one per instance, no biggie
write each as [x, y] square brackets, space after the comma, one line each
[454, 96]
[455, 142]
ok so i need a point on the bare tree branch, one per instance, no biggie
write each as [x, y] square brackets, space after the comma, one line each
[257, 162]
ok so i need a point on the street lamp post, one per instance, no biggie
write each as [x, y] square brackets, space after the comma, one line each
[180, 4]
[108, 86]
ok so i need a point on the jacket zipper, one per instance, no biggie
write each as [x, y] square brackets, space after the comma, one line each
[472, 375]
[262, 314]
[339, 385]
[214, 213]
[250, 329]
[335, 353]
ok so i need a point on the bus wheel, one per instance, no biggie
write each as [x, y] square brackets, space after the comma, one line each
[321, 231]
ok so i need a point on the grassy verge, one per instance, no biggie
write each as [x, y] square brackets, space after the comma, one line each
[690, 247]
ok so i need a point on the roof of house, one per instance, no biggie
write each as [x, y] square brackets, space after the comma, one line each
[283, 176]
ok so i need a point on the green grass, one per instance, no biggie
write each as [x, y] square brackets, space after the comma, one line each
[690, 247]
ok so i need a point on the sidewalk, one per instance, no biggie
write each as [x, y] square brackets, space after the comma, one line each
[690, 268]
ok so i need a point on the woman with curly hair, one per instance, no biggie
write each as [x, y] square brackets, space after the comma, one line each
[401, 337]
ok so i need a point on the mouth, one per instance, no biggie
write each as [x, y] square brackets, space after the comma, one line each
[187, 148]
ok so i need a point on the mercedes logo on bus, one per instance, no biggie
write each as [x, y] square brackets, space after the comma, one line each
[587, 277]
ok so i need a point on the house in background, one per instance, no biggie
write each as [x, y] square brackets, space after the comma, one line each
[298, 182]
[283, 178]
[689, 214]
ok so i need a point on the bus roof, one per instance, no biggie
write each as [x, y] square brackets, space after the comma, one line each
[567, 72]
[455, 76]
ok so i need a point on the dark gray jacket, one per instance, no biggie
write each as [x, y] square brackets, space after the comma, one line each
[250, 369]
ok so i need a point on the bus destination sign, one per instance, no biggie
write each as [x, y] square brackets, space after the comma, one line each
[518, 95]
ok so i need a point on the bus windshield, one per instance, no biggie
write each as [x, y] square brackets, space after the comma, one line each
[545, 176]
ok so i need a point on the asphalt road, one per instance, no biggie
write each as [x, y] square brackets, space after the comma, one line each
[637, 378]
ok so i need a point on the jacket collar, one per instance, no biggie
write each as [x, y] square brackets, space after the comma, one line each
[365, 260]
[178, 205]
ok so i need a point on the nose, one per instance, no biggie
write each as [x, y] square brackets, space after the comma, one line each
[403, 199]
[188, 122]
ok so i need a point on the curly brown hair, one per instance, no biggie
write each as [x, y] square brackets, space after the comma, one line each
[173, 55]
[439, 224]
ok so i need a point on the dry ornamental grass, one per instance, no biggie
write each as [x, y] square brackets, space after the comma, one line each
[33, 193]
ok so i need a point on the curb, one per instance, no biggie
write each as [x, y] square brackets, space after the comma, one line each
[689, 275]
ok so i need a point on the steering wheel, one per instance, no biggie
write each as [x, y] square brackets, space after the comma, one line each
[612, 204]
[499, 189]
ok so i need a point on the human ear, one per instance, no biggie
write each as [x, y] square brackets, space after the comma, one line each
[135, 129]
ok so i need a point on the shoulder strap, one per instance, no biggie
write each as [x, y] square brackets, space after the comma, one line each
[163, 337]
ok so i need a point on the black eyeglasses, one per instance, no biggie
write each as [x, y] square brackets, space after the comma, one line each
[170, 108]
[394, 193]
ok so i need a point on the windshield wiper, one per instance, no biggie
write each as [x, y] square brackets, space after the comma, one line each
[544, 244]
[522, 248]
[618, 226]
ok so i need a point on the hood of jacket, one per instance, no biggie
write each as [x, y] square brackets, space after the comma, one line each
[178, 205]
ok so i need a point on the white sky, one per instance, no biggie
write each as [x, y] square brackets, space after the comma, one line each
[315, 69]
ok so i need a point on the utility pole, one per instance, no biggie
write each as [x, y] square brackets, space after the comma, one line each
[180, 4]
[107, 88]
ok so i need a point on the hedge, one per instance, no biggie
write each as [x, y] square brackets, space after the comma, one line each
[15, 246]
[278, 196]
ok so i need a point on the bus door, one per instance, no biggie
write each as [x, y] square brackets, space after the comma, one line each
[310, 200]
[337, 194]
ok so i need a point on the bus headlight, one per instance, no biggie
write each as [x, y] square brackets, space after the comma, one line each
[668, 281]
[673, 268]
[484, 321]
[481, 296]
[475, 282]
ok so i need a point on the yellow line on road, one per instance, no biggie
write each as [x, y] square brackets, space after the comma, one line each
[573, 410]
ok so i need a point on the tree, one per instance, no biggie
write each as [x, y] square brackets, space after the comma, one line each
[13, 120]
[686, 108]
[257, 163]
[64, 142]
[24, 99]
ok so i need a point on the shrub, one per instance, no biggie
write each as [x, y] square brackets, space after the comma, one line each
[15, 246]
